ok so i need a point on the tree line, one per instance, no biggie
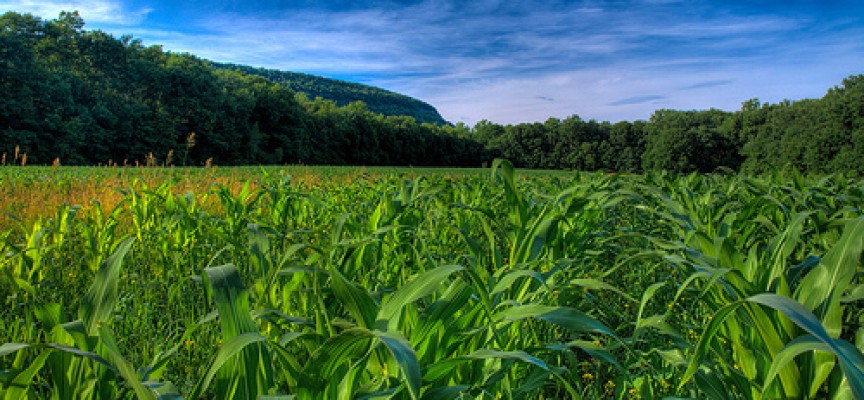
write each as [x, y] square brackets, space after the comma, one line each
[813, 135]
[84, 97]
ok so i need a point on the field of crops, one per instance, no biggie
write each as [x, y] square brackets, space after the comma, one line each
[320, 283]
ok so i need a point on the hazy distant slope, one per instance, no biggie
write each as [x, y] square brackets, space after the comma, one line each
[377, 100]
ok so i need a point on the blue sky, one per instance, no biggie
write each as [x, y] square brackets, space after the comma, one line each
[517, 61]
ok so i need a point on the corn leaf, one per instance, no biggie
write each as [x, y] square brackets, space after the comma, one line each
[851, 360]
[420, 286]
[98, 303]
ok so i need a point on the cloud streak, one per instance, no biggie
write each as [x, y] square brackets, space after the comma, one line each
[651, 98]
[708, 84]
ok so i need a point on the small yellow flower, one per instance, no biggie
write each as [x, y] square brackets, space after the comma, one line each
[692, 334]
[609, 387]
[189, 343]
[587, 377]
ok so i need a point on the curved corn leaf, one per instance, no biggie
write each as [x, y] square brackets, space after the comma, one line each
[596, 284]
[164, 390]
[851, 359]
[507, 280]
[357, 301]
[533, 242]
[797, 346]
[420, 286]
[354, 344]
[123, 367]
[405, 356]
[822, 288]
[250, 373]
[230, 348]
[446, 392]
[564, 316]
[9, 348]
[705, 340]
[98, 303]
[19, 387]
[646, 297]
[520, 355]
[443, 368]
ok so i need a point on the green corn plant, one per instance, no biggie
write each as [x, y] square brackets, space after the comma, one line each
[83, 358]
[445, 284]
[43, 238]
[850, 359]
[242, 368]
[28, 260]
[99, 232]
[733, 277]
[237, 212]
[142, 204]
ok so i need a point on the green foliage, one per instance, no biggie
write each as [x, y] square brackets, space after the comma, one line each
[820, 136]
[379, 101]
[813, 136]
[86, 98]
[386, 283]
[568, 144]
[689, 141]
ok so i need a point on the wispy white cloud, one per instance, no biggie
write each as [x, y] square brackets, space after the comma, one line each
[708, 84]
[111, 12]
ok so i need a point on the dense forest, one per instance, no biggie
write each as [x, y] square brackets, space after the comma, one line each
[814, 135]
[378, 100]
[85, 97]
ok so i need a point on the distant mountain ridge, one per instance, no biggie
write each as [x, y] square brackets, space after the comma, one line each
[377, 100]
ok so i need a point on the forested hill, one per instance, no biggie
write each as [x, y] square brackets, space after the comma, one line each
[378, 100]
[84, 97]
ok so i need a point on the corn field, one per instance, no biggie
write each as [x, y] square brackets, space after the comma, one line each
[284, 283]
